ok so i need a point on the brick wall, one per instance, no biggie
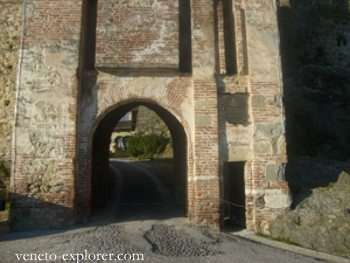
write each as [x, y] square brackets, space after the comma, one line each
[225, 118]
[44, 135]
[138, 33]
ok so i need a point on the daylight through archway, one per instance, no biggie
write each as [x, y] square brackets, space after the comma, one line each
[139, 164]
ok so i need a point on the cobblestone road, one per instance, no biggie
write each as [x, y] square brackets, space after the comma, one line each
[170, 240]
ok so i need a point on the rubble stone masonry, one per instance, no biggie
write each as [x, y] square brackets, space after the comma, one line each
[10, 20]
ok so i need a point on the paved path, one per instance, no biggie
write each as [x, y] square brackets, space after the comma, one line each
[170, 240]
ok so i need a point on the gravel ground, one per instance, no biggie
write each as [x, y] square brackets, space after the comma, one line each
[168, 241]
[171, 240]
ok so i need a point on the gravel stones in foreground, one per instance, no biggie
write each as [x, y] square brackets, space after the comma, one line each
[168, 241]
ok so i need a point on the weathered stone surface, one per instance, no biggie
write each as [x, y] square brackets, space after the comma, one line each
[269, 130]
[321, 221]
[10, 21]
[343, 181]
[276, 199]
[44, 136]
[263, 147]
[259, 101]
[63, 99]
[275, 172]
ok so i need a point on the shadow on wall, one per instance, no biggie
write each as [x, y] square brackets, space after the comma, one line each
[35, 213]
[32, 217]
[315, 44]
[305, 174]
[28, 213]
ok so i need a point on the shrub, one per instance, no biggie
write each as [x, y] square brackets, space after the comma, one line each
[4, 170]
[146, 146]
[4, 179]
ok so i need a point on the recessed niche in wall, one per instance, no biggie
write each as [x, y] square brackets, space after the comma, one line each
[225, 21]
[234, 204]
[137, 34]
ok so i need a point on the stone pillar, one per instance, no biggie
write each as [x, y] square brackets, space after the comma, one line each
[44, 138]
[268, 193]
[206, 149]
[10, 15]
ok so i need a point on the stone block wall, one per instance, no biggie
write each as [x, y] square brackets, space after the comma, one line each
[252, 115]
[264, 67]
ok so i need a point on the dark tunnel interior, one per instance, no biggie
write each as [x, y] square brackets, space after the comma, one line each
[129, 188]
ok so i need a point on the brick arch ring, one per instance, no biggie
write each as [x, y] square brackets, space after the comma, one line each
[100, 140]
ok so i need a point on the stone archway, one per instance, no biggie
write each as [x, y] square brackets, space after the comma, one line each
[101, 185]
